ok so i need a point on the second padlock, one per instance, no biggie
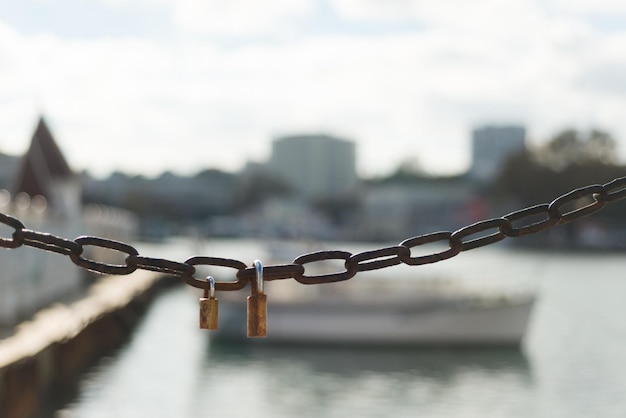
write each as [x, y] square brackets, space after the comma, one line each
[257, 306]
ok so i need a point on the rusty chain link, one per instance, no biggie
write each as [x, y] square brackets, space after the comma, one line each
[463, 239]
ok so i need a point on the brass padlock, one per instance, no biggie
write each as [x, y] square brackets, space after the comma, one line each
[208, 307]
[257, 306]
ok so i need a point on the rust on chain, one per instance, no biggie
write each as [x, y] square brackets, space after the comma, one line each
[368, 260]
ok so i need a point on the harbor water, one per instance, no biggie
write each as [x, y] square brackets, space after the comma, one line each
[572, 361]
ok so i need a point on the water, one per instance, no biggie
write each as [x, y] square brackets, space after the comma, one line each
[573, 362]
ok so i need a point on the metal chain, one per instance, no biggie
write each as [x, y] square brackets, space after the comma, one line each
[457, 241]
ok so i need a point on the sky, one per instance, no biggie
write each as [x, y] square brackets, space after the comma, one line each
[144, 86]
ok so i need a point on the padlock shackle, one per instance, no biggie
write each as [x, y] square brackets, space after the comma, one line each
[211, 281]
[258, 266]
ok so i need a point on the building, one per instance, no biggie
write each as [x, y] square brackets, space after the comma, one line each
[392, 212]
[8, 167]
[47, 197]
[45, 172]
[315, 166]
[491, 147]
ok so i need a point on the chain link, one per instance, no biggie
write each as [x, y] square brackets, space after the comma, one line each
[348, 273]
[548, 222]
[160, 265]
[616, 189]
[457, 241]
[275, 272]
[597, 192]
[455, 248]
[17, 226]
[377, 259]
[97, 266]
[48, 242]
[216, 262]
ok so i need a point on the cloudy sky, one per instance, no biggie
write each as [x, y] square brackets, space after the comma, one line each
[144, 86]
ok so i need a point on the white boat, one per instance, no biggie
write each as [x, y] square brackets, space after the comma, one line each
[426, 316]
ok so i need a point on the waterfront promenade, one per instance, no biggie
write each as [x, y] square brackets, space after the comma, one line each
[46, 354]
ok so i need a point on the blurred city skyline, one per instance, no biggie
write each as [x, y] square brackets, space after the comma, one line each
[147, 87]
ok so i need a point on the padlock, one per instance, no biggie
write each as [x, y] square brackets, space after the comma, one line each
[208, 307]
[257, 306]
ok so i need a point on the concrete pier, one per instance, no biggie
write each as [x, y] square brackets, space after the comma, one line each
[45, 355]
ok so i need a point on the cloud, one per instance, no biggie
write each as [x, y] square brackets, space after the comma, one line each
[481, 14]
[185, 103]
[238, 18]
[594, 7]
[608, 78]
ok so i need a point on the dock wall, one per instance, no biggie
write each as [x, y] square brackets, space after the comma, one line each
[44, 357]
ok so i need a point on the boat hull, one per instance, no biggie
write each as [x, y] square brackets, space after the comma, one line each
[436, 323]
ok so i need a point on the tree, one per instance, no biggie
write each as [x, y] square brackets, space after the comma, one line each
[253, 189]
[568, 161]
[571, 148]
